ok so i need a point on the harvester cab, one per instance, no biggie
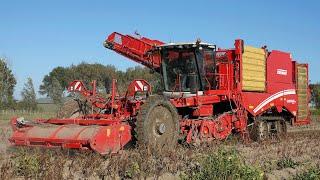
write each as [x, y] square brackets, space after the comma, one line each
[184, 67]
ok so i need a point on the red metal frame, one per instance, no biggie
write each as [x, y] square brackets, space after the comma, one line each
[134, 48]
[110, 131]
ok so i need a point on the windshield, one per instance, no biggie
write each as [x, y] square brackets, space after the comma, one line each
[180, 70]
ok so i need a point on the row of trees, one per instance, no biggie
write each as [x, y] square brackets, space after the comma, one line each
[7, 84]
[55, 83]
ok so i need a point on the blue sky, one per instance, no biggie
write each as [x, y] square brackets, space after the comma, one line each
[37, 36]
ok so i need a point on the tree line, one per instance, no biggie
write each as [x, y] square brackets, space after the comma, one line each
[55, 83]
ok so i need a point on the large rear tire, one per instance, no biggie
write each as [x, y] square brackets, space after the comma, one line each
[157, 125]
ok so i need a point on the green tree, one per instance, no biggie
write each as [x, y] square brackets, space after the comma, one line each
[315, 94]
[7, 84]
[29, 99]
[84, 72]
[52, 88]
[139, 72]
[56, 91]
[59, 73]
[62, 75]
[89, 72]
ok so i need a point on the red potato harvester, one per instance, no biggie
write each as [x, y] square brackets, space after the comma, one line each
[209, 93]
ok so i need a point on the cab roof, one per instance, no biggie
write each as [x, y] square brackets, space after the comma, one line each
[185, 45]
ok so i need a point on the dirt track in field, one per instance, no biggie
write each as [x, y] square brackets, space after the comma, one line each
[301, 146]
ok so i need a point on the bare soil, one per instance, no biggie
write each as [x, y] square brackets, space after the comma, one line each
[299, 151]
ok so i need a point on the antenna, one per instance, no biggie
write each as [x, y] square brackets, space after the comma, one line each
[137, 33]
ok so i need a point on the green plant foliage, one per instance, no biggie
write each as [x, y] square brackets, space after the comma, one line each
[7, 84]
[286, 162]
[28, 94]
[311, 174]
[133, 170]
[26, 165]
[315, 94]
[224, 164]
[315, 112]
